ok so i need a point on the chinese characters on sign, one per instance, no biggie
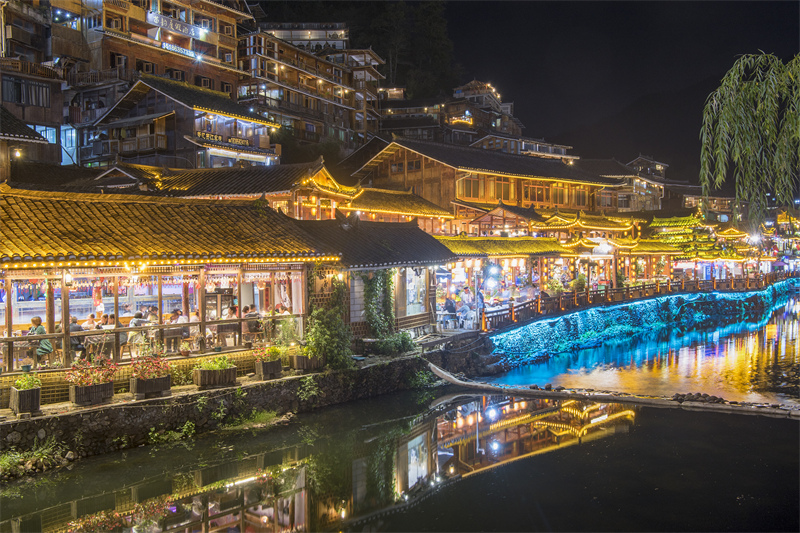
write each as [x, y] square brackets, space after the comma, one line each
[239, 141]
[169, 23]
[208, 136]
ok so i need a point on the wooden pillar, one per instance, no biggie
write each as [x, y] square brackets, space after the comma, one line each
[66, 355]
[50, 307]
[185, 299]
[239, 299]
[201, 304]
[116, 355]
[541, 274]
[9, 324]
[160, 335]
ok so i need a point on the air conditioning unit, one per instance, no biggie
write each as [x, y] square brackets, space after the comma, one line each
[120, 61]
[177, 75]
[205, 23]
[205, 82]
[227, 30]
[175, 13]
[147, 68]
[115, 24]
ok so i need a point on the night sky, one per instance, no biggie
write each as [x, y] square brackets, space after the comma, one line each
[616, 79]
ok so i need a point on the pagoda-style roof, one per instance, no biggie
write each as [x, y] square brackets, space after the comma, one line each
[394, 202]
[581, 221]
[691, 221]
[651, 247]
[13, 129]
[191, 96]
[510, 212]
[489, 162]
[503, 246]
[711, 254]
[41, 228]
[731, 233]
[366, 244]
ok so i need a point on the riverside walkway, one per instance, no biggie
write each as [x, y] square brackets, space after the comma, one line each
[565, 302]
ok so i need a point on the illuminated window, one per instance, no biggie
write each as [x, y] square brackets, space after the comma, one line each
[470, 187]
[606, 199]
[503, 189]
[559, 194]
[581, 196]
[535, 193]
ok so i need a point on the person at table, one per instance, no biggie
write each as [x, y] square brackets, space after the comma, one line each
[468, 298]
[103, 324]
[172, 336]
[75, 342]
[90, 322]
[122, 337]
[462, 312]
[44, 347]
[137, 337]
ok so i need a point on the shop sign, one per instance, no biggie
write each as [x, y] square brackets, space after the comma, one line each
[171, 24]
[208, 136]
[239, 141]
[178, 50]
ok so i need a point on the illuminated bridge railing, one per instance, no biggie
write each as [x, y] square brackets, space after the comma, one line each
[548, 305]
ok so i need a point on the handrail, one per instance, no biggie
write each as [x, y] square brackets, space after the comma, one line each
[571, 300]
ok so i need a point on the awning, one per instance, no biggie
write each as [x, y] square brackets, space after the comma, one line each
[135, 121]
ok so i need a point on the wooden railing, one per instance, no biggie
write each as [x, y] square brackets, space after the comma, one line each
[571, 301]
[26, 67]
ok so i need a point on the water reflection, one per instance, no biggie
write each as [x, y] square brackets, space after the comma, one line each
[318, 483]
[757, 362]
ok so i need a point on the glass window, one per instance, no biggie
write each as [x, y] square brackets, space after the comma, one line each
[397, 167]
[415, 291]
[559, 194]
[503, 189]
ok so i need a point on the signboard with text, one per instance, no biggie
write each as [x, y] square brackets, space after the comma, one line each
[171, 24]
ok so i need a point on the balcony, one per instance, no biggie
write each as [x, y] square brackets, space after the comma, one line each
[31, 69]
[95, 77]
[144, 143]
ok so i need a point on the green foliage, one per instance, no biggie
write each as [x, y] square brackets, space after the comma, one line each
[186, 431]
[394, 344]
[554, 286]
[256, 418]
[621, 278]
[379, 302]
[220, 412]
[308, 389]
[579, 283]
[180, 376]
[218, 363]
[287, 332]
[201, 402]
[13, 461]
[422, 379]
[750, 131]
[29, 380]
[327, 335]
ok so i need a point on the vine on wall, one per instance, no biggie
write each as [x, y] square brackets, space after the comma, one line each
[379, 313]
[327, 334]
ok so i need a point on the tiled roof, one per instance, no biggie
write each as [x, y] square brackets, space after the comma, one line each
[377, 244]
[493, 162]
[652, 247]
[396, 202]
[731, 233]
[677, 222]
[80, 228]
[605, 167]
[502, 246]
[527, 213]
[46, 174]
[232, 181]
[191, 96]
[583, 221]
[13, 129]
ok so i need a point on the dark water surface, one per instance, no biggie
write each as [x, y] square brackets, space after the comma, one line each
[472, 463]
[743, 362]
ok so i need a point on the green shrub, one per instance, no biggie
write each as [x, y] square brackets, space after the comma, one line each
[218, 363]
[28, 381]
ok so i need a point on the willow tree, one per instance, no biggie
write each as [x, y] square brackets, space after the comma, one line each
[751, 132]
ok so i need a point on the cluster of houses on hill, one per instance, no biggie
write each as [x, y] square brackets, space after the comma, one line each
[180, 202]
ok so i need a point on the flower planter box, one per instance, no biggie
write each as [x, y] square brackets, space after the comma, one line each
[207, 379]
[268, 369]
[151, 388]
[303, 362]
[91, 394]
[26, 400]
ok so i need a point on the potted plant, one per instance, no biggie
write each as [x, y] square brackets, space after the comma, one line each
[25, 364]
[150, 374]
[305, 360]
[217, 372]
[185, 348]
[26, 394]
[91, 382]
[268, 362]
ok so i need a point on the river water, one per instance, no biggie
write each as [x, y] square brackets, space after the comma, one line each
[756, 362]
[439, 460]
